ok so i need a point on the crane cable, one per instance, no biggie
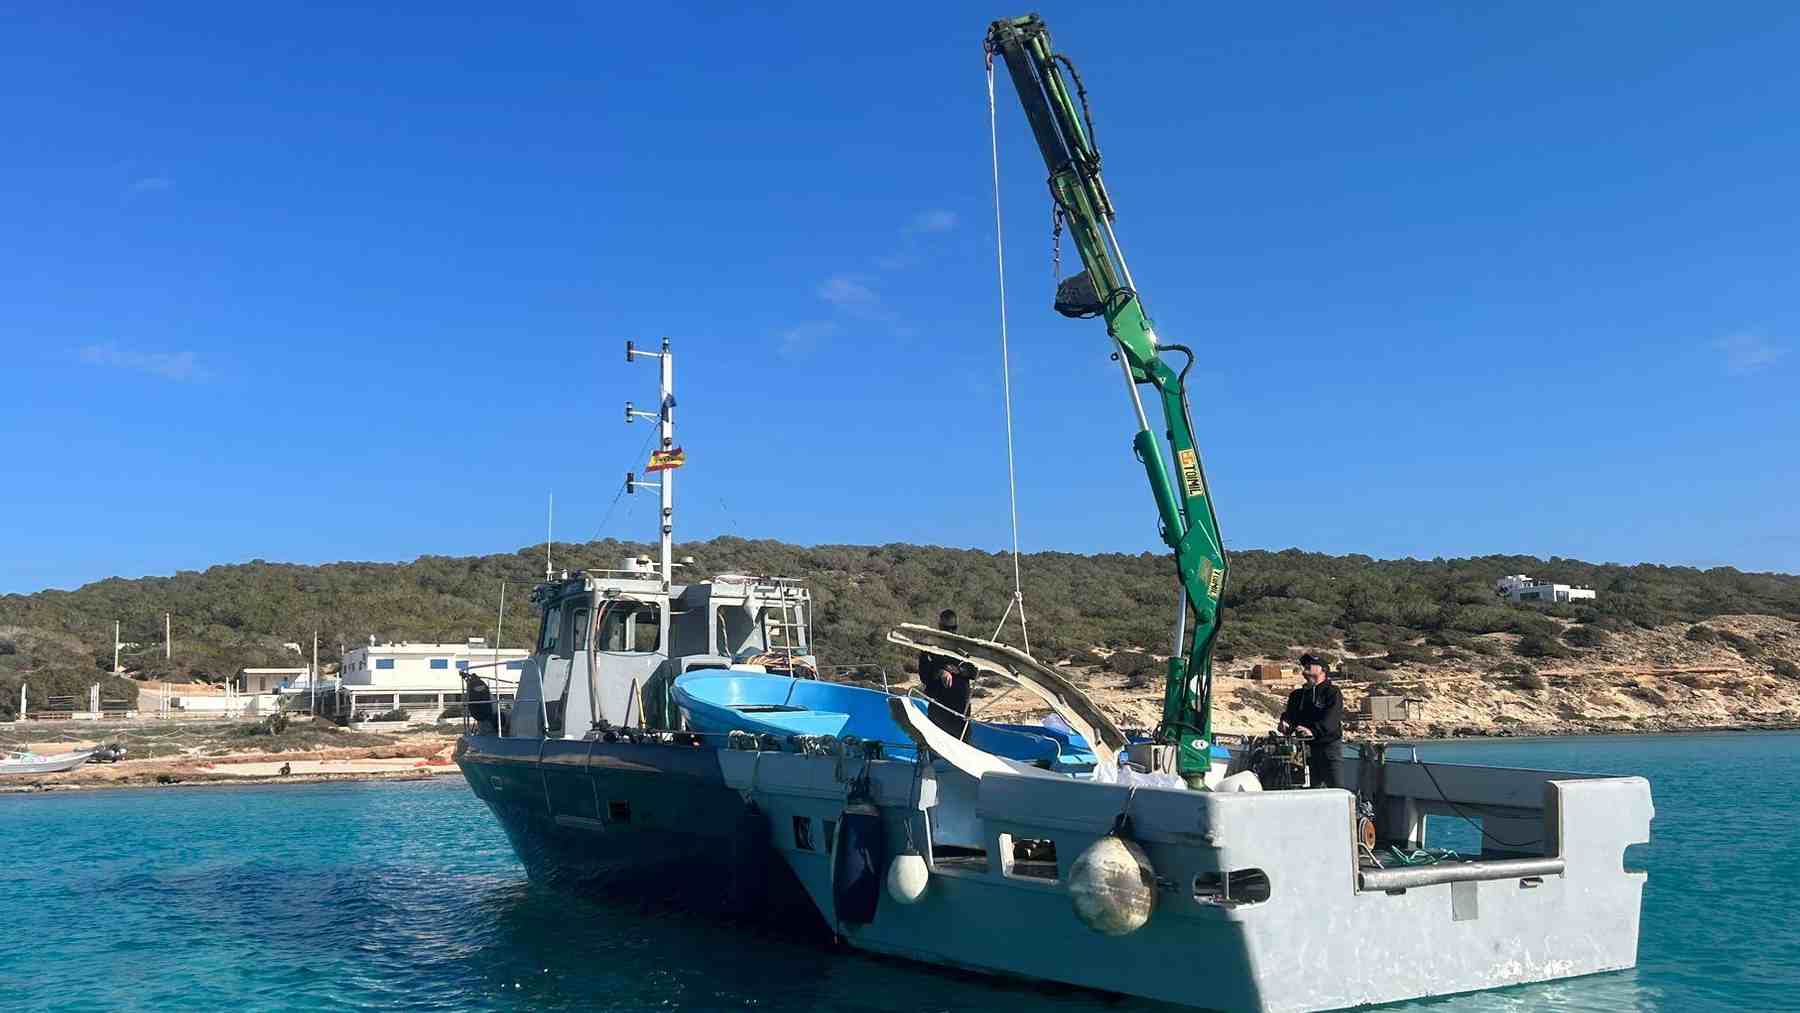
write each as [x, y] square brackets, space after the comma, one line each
[1012, 484]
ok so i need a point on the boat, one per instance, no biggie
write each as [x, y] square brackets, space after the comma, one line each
[603, 768]
[27, 762]
[680, 735]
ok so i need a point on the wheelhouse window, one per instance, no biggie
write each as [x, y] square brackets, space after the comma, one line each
[440, 663]
[550, 635]
[384, 663]
[578, 630]
[631, 628]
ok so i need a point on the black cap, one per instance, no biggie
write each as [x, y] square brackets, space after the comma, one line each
[1308, 660]
[947, 620]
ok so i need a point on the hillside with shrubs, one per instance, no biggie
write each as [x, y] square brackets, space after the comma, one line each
[1110, 610]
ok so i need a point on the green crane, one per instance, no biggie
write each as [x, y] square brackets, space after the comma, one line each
[1104, 289]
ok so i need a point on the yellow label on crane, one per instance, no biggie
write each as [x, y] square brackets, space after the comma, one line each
[1191, 481]
[1215, 580]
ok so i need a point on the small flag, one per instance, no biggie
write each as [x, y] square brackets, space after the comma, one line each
[666, 460]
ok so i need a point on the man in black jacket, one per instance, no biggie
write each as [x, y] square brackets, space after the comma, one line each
[947, 683]
[1316, 710]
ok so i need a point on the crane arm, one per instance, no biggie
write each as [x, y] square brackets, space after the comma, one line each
[1104, 288]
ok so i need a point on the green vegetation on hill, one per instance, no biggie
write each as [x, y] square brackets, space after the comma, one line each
[230, 617]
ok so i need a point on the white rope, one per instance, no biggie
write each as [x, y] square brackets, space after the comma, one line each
[1012, 485]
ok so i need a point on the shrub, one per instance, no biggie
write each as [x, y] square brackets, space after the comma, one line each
[1531, 680]
[1408, 653]
[1786, 669]
[8, 647]
[1364, 670]
[1128, 662]
[1536, 645]
[397, 714]
[1741, 644]
[1513, 668]
[1586, 636]
[1702, 635]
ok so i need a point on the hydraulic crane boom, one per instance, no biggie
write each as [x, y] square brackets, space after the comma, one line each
[1105, 289]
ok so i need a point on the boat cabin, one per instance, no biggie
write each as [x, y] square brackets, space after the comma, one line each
[611, 642]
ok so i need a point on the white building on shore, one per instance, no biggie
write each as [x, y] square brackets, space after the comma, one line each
[1520, 588]
[256, 681]
[421, 679]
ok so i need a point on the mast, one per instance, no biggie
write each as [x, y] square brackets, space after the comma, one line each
[665, 417]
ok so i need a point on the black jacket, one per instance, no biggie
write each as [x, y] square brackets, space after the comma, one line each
[1319, 708]
[932, 669]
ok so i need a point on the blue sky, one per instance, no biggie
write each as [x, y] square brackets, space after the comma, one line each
[316, 283]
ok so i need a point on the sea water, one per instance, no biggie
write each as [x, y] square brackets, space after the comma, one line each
[399, 896]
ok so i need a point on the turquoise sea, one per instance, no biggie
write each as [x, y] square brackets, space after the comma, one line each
[406, 896]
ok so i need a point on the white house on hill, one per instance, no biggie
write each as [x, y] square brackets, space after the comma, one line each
[1520, 588]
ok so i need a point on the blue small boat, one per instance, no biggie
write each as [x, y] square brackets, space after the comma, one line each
[727, 700]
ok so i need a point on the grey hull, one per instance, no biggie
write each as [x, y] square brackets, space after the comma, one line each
[634, 821]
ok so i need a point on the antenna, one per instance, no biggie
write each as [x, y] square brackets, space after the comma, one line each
[549, 526]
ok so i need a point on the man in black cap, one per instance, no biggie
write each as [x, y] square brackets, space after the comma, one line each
[947, 682]
[479, 703]
[1316, 710]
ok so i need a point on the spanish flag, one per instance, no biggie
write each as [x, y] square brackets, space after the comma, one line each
[666, 460]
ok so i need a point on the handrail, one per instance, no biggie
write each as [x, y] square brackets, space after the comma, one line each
[1458, 872]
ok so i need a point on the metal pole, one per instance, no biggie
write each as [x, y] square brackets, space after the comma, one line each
[668, 477]
[315, 675]
[168, 636]
[115, 647]
[549, 527]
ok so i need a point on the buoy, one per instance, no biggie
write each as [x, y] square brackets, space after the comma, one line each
[908, 877]
[1113, 886]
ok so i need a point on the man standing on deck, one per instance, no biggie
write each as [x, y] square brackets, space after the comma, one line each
[947, 683]
[479, 703]
[1316, 710]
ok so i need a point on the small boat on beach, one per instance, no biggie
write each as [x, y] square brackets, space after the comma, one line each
[27, 762]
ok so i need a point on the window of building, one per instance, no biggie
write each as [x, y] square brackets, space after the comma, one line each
[443, 663]
[384, 663]
[462, 666]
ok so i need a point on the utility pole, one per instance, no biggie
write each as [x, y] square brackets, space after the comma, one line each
[168, 647]
[315, 674]
[115, 647]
